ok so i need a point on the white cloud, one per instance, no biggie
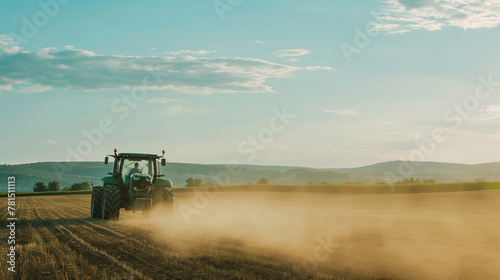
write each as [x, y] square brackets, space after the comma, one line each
[342, 112]
[257, 42]
[77, 69]
[291, 53]
[8, 45]
[316, 68]
[200, 52]
[85, 70]
[35, 88]
[6, 40]
[50, 141]
[153, 49]
[491, 113]
[11, 49]
[400, 16]
[493, 109]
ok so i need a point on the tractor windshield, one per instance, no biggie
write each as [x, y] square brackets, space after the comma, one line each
[130, 166]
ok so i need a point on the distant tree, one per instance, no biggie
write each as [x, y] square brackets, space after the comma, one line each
[210, 184]
[417, 181]
[65, 189]
[40, 187]
[54, 186]
[80, 186]
[198, 182]
[324, 183]
[428, 181]
[190, 182]
[263, 181]
[248, 183]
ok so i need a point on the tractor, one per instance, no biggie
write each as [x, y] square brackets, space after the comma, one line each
[135, 185]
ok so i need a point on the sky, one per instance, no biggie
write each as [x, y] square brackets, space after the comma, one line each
[286, 82]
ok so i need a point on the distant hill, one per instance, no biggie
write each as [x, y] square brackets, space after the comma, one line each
[68, 173]
[421, 167]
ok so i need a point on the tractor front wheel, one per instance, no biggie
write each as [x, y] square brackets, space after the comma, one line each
[111, 202]
[96, 203]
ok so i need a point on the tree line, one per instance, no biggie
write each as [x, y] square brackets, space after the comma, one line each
[417, 181]
[196, 182]
[55, 186]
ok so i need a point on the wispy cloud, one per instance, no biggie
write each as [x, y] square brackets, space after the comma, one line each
[257, 42]
[341, 112]
[50, 141]
[161, 100]
[200, 52]
[35, 88]
[400, 16]
[291, 53]
[492, 112]
[316, 68]
[493, 109]
[85, 70]
[8, 45]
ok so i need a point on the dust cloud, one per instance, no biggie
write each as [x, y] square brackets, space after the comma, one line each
[409, 236]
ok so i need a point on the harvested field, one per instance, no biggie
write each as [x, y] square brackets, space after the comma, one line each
[264, 235]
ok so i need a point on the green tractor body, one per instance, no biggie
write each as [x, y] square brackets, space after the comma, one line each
[135, 185]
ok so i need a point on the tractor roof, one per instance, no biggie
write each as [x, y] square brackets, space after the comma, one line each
[136, 155]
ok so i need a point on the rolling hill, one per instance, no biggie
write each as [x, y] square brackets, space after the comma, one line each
[68, 173]
[421, 168]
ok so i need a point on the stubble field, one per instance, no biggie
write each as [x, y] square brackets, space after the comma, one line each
[263, 235]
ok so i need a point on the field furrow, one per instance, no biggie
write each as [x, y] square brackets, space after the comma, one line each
[246, 236]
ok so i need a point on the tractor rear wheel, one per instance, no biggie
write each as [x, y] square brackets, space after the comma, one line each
[111, 202]
[96, 203]
[167, 199]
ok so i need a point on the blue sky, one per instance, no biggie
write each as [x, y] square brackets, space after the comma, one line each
[361, 81]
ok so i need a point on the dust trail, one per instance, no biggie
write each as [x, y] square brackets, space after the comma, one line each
[419, 236]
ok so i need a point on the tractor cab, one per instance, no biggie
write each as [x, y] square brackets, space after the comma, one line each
[128, 166]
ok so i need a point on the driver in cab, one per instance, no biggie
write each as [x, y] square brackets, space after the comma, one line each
[135, 169]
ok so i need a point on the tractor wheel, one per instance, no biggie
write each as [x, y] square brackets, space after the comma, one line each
[167, 200]
[111, 201]
[96, 203]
